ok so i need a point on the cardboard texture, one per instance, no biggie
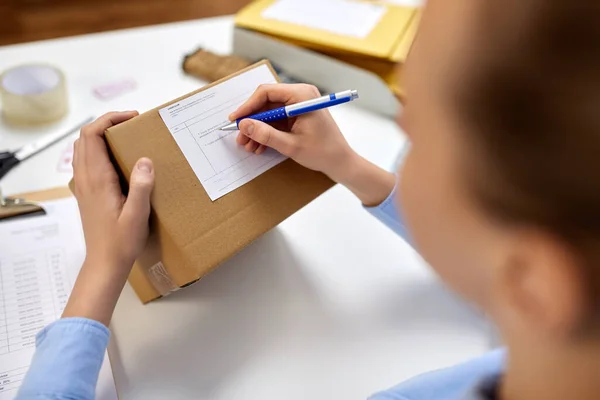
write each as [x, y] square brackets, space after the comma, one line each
[190, 234]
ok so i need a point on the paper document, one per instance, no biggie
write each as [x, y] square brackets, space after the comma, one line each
[342, 17]
[39, 260]
[218, 161]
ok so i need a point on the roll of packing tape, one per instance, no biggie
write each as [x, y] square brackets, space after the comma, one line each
[33, 94]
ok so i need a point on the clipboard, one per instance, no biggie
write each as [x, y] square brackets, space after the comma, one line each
[28, 204]
[30, 207]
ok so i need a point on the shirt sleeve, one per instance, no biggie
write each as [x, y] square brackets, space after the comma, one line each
[448, 383]
[67, 361]
[388, 213]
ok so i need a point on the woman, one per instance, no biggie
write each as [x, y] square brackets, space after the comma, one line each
[500, 193]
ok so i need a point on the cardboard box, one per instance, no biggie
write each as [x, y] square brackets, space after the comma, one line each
[190, 234]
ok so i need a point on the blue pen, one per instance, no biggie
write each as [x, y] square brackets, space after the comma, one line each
[294, 110]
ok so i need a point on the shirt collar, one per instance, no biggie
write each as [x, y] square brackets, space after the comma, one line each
[486, 389]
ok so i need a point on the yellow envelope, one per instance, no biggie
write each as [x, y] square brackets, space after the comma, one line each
[382, 40]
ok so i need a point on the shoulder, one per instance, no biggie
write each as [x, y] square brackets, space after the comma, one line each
[447, 383]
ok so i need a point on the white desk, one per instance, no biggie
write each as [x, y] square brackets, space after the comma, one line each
[330, 304]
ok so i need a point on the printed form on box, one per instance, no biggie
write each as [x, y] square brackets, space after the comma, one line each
[218, 161]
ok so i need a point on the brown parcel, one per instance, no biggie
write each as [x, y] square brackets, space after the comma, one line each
[190, 234]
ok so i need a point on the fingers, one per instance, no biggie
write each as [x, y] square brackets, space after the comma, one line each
[137, 206]
[261, 149]
[75, 165]
[263, 134]
[275, 93]
[91, 164]
[242, 139]
[98, 127]
[93, 148]
[75, 157]
[251, 146]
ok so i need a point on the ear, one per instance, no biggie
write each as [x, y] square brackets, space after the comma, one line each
[544, 285]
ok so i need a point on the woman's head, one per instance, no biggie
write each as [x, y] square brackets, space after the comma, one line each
[501, 188]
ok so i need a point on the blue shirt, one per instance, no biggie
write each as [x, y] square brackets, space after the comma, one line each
[70, 352]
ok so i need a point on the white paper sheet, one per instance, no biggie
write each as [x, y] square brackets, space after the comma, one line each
[39, 261]
[218, 161]
[342, 17]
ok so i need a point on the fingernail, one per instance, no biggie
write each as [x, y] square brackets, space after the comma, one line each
[230, 117]
[145, 166]
[249, 128]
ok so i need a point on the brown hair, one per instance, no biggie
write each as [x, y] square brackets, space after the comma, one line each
[533, 99]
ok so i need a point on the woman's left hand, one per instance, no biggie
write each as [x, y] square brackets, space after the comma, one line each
[115, 227]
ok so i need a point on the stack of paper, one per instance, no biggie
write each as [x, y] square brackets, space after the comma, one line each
[39, 261]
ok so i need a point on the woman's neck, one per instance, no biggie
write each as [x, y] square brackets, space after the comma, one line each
[535, 372]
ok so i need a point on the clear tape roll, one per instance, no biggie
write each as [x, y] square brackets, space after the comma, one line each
[33, 94]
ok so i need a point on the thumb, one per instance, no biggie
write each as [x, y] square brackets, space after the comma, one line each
[267, 135]
[137, 206]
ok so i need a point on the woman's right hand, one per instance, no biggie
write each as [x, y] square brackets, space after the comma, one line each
[313, 140]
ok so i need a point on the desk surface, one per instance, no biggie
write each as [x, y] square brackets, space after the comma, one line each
[330, 304]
